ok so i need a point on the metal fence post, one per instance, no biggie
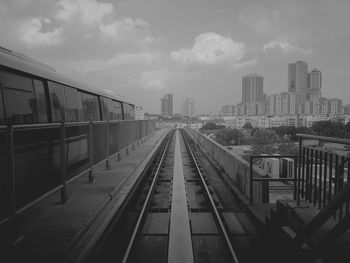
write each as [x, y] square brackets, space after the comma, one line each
[12, 170]
[63, 164]
[108, 145]
[251, 194]
[299, 170]
[91, 174]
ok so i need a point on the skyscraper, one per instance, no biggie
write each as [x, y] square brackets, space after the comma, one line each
[298, 79]
[315, 84]
[188, 108]
[252, 89]
[271, 105]
[166, 105]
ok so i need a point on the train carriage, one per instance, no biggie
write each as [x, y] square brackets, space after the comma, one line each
[35, 101]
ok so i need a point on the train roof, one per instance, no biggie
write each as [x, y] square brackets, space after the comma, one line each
[21, 62]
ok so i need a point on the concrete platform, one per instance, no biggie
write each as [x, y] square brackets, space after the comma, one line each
[54, 232]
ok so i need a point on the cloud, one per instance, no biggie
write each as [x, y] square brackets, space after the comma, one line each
[122, 26]
[31, 32]
[154, 79]
[285, 46]
[262, 19]
[129, 29]
[123, 59]
[209, 49]
[89, 12]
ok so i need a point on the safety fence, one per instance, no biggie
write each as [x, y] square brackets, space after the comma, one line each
[39, 159]
[324, 171]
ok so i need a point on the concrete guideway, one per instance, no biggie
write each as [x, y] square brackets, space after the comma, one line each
[180, 242]
[49, 230]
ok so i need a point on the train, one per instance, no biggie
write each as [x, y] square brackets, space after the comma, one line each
[32, 92]
[35, 101]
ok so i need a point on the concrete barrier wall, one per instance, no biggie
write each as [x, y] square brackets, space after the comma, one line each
[234, 166]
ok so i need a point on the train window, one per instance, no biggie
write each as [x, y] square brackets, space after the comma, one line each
[19, 98]
[90, 107]
[58, 101]
[104, 107]
[132, 111]
[107, 109]
[40, 100]
[74, 109]
[117, 109]
[111, 114]
[126, 110]
[1, 109]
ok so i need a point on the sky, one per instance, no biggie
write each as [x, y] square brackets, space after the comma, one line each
[196, 49]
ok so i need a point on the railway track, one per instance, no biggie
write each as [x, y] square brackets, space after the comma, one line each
[173, 215]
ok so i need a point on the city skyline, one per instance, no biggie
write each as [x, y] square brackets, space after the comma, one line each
[303, 96]
[141, 51]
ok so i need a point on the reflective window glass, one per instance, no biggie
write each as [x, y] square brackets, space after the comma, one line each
[108, 112]
[132, 111]
[40, 100]
[126, 111]
[58, 101]
[104, 107]
[117, 110]
[1, 109]
[74, 108]
[91, 107]
[19, 98]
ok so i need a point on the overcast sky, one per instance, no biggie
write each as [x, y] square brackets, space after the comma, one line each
[143, 49]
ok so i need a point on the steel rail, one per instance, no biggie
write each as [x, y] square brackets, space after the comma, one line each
[323, 138]
[147, 200]
[213, 206]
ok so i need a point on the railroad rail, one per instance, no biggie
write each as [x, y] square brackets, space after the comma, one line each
[175, 214]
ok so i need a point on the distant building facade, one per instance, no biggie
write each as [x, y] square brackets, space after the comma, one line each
[252, 88]
[298, 79]
[188, 109]
[227, 110]
[166, 105]
[315, 84]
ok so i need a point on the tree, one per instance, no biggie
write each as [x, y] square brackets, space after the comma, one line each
[248, 125]
[212, 126]
[264, 137]
[230, 136]
[329, 129]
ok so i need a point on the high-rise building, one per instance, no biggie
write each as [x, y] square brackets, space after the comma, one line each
[294, 103]
[252, 89]
[346, 109]
[261, 108]
[298, 79]
[166, 105]
[227, 110]
[315, 84]
[251, 109]
[335, 106]
[271, 105]
[188, 109]
[279, 105]
[285, 103]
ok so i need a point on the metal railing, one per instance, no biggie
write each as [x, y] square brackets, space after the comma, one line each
[37, 160]
[322, 173]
